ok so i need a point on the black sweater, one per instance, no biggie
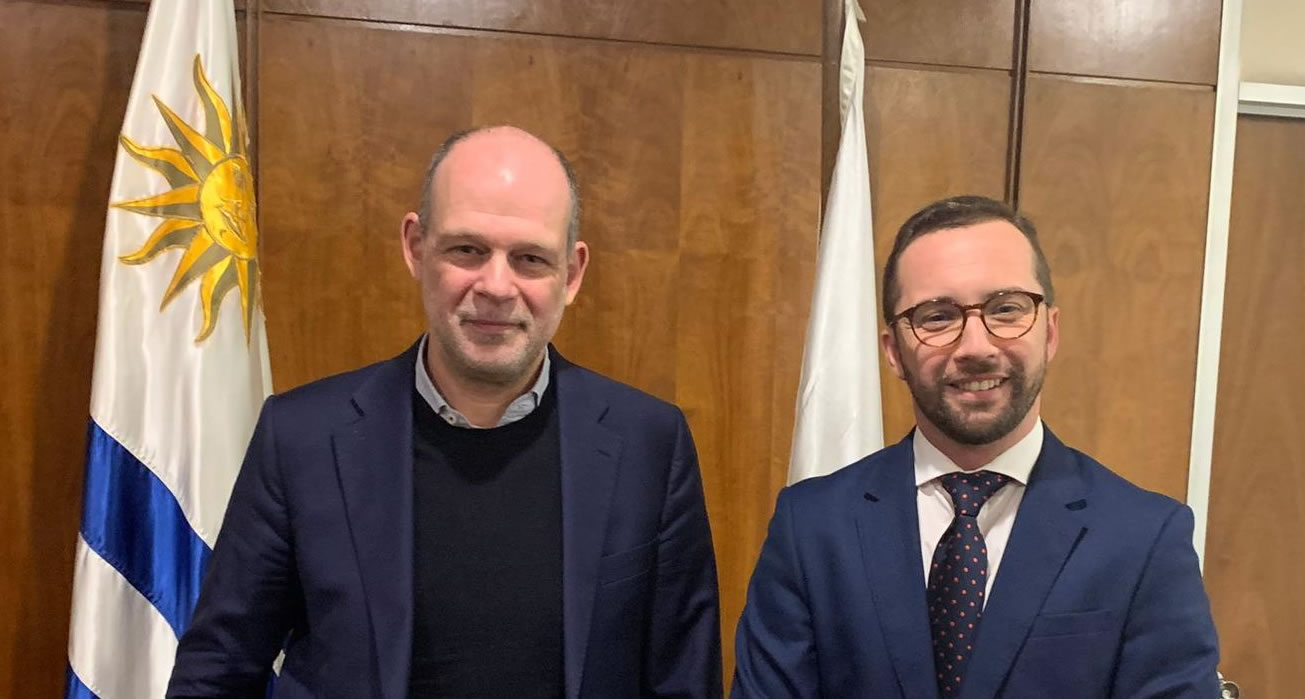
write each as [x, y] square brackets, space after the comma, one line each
[487, 588]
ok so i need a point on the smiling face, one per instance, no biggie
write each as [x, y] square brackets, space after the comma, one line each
[980, 390]
[494, 266]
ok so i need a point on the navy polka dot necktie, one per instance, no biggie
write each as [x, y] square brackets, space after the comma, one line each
[958, 576]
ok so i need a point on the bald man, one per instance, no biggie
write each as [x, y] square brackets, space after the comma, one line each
[477, 517]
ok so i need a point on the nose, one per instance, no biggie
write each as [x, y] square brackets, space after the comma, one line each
[497, 281]
[975, 342]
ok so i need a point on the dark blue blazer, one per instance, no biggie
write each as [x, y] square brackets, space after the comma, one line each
[1098, 594]
[316, 551]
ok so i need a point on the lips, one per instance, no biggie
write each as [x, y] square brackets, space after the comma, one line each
[975, 385]
[492, 325]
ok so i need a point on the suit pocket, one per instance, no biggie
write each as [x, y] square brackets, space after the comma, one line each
[626, 565]
[1072, 623]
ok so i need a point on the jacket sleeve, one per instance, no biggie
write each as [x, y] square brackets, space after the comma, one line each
[684, 653]
[775, 644]
[250, 593]
[1169, 648]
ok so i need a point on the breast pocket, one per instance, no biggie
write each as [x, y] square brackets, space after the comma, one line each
[627, 565]
[1072, 623]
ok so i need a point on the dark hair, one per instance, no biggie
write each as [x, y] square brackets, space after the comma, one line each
[424, 212]
[959, 212]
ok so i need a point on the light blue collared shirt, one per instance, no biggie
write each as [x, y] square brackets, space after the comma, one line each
[519, 408]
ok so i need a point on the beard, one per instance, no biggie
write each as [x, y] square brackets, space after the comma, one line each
[967, 426]
[504, 369]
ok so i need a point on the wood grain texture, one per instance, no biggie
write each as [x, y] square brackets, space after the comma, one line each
[750, 193]
[941, 32]
[930, 134]
[786, 26]
[700, 179]
[1257, 502]
[1116, 176]
[1173, 40]
[66, 72]
[342, 159]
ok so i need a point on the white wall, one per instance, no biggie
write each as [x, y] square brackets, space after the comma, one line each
[1273, 41]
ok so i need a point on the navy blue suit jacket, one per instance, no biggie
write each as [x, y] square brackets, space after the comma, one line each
[316, 551]
[1098, 594]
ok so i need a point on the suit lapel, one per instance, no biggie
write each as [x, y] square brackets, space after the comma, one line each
[888, 526]
[1048, 525]
[590, 453]
[374, 462]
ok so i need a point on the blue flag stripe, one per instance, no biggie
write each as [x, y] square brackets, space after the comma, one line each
[132, 520]
[75, 689]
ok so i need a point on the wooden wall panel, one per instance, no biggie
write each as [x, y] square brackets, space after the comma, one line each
[1257, 504]
[342, 158]
[66, 72]
[1173, 40]
[788, 26]
[931, 134]
[750, 198]
[700, 179]
[1116, 177]
[941, 32]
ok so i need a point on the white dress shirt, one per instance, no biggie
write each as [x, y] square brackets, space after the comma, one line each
[517, 409]
[996, 517]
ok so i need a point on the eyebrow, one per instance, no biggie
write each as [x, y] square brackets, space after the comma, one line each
[990, 295]
[459, 236]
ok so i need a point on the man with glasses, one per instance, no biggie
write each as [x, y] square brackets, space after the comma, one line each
[979, 556]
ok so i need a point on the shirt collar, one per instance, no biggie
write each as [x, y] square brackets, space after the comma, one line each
[1016, 462]
[522, 406]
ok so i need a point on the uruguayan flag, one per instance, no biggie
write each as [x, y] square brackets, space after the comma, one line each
[180, 357]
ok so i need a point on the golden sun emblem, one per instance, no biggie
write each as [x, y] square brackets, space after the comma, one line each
[210, 209]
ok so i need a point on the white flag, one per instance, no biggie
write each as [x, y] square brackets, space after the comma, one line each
[181, 365]
[839, 415]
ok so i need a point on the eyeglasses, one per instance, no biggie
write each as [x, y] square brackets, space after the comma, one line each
[1007, 315]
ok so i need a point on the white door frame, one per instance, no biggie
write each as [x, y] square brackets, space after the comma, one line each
[1232, 97]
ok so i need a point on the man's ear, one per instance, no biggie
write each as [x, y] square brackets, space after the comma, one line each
[1053, 331]
[411, 235]
[892, 352]
[576, 264]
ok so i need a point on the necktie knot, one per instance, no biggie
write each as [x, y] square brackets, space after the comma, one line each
[970, 490]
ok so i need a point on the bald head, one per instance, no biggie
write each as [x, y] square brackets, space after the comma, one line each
[491, 252]
[508, 161]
